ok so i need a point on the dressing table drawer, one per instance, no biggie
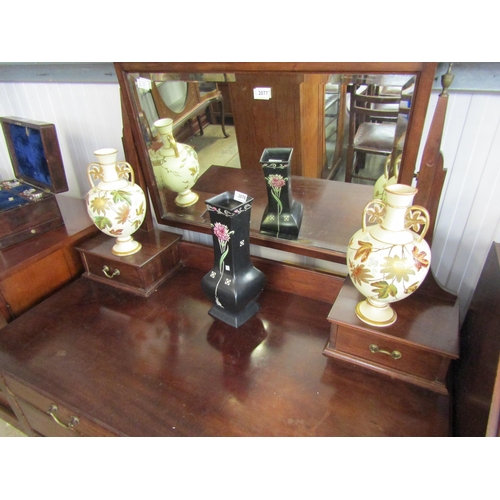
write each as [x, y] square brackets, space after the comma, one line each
[118, 273]
[50, 418]
[140, 273]
[389, 353]
[417, 348]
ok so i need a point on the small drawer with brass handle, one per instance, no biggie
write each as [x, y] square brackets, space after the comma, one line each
[374, 348]
[140, 273]
[50, 418]
[388, 351]
[113, 273]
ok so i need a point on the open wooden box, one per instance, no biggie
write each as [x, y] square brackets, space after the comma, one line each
[28, 206]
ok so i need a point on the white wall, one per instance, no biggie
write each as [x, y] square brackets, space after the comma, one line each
[469, 217]
[88, 117]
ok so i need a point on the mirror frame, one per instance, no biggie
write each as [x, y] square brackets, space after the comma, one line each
[424, 74]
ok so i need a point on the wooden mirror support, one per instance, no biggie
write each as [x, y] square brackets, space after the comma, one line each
[432, 174]
[331, 208]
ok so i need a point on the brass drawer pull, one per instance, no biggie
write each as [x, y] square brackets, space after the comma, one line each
[394, 354]
[105, 270]
[72, 421]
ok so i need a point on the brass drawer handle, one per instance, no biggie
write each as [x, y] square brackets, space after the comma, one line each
[72, 421]
[394, 354]
[105, 270]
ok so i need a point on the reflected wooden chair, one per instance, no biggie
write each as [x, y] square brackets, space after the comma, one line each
[372, 128]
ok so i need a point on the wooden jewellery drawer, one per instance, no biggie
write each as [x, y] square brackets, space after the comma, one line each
[390, 356]
[140, 273]
[48, 417]
[417, 348]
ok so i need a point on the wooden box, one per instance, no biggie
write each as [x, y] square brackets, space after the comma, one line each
[417, 348]
[28, 205]
[140, 273]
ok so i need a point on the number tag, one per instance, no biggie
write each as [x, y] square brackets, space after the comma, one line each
[143, 83]
[262, 93]
[241, 197]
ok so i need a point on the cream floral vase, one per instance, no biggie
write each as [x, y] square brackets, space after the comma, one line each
[388, 260]
[116, 204]
[175, 165]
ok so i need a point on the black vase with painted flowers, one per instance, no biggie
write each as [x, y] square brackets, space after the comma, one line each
[233, 284]
[283, 215]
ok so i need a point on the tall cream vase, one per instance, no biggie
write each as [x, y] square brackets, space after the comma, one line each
[116, 205]
[175, 165]
[388, 261]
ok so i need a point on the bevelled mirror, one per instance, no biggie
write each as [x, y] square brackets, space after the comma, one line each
[310, 107]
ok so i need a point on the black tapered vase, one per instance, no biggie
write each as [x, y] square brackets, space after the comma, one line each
[233, 284]
[283, 215]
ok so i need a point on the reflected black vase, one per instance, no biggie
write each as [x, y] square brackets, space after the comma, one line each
[233, 284]
[283, 215]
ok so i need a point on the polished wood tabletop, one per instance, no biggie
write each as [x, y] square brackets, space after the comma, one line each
[162, 366]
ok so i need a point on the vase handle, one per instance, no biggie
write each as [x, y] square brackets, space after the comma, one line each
[417, 216]
[124, 169]
[397, 165]
[94, 170]
[172, 142]
[374, 211]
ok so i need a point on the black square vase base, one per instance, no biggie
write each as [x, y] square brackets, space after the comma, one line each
[289, 223]
[237, 319]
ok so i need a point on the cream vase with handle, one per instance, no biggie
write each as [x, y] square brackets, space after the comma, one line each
[175, 165]
[388, 260]
[116, 204]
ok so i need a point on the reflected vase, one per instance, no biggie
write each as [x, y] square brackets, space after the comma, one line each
[236, 346]
[388, 260]
[233, 284]
[282, 216]
[386, 179]
[116, 205]
[175, 165]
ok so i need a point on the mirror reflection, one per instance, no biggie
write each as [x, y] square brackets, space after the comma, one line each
[173, 95]
[341, 127]
[217, 125]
